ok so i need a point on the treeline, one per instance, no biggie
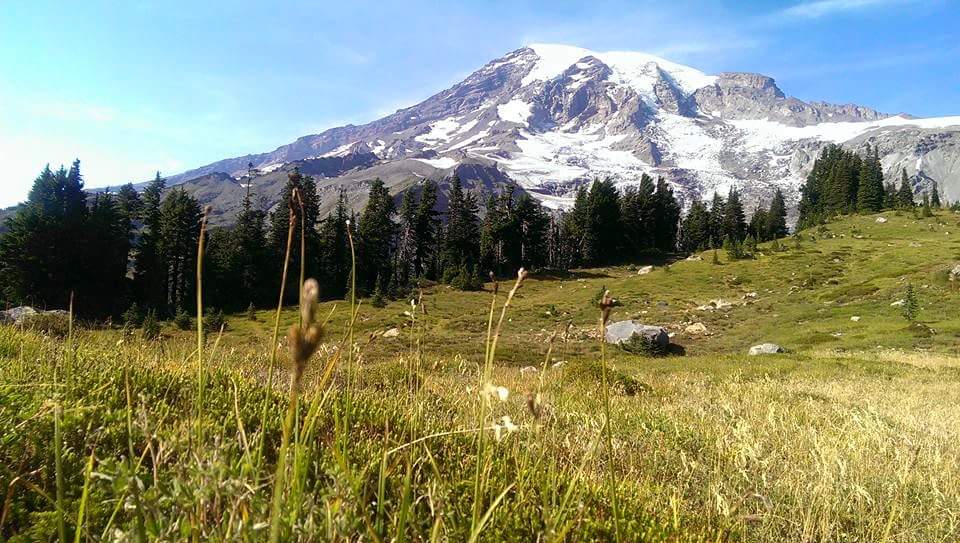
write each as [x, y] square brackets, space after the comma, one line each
[113, 250]
[842, 182]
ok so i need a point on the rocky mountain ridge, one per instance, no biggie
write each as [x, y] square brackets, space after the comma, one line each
[553, 117]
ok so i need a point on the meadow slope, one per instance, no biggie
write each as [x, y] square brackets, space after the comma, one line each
[851, 435]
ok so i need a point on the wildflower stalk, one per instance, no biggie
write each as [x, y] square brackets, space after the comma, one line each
[606, 304]
[200, 369]
[291, 224]
[479, 485]
[304, 341]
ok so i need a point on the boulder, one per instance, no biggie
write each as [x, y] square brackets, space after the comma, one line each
[719, 303]
[765, 348]
[881, 220]
[645, 270]
[16, 315]
[955, 272]
[393, 332]
[622, 331]
[694, 258]
[855, 318]
[695, 328]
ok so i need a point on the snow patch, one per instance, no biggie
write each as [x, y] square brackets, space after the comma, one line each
[633, 69]
[514, 111]
[763, 134]
[441, 163]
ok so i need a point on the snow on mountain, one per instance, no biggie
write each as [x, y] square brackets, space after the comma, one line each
[553, 117]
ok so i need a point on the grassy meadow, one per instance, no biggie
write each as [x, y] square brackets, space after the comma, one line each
[451, 431]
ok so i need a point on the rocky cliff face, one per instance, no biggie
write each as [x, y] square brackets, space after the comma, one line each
[552, 117]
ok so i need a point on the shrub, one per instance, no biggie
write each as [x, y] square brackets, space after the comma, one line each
[638, 344]
[53, 323]
[251, 312]
[377, 300]
[733, 248]
[465, 279]
[910, 307]
[133, 316]
[214, 320]
[151, 326]
[183, 320]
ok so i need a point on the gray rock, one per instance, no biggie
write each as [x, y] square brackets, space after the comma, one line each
[765, 348]
[16, 315]
[955, 272]
[622, 331]
[644, 270]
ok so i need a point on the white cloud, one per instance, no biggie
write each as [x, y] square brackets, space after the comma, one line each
[821, 8]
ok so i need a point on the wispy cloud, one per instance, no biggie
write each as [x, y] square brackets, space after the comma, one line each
[823, 8]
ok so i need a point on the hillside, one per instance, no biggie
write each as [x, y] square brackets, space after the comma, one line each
[850, 435]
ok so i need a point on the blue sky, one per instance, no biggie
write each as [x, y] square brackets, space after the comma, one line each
[133, 87]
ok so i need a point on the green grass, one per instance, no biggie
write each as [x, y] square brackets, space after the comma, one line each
[850, 436]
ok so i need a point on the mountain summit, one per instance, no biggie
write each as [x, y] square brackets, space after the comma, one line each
[553, 117]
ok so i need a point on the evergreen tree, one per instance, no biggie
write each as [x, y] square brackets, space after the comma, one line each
[406, 240]
[307, 219]
[716, 221]
[638, 213]
[602, 229]
[461, 247]
[149, 276]
[377, 233]
[757, 228]
[905, 194]
[666, 218]
[42, 253]
[335, 250]
[250, 261]
[734, 221]
[107, 252]
[889, 195]
[177, 246]
[427, 227]
[532, 225]
[935, 196]
[695, 228]
[870, 190]
[776, 226]
[129, 203]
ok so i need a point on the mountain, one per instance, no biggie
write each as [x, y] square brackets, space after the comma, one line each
[553, 117]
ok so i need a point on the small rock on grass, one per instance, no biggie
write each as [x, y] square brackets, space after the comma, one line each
[765, 348]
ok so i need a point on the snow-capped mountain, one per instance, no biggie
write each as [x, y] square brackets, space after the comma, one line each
[552, 117]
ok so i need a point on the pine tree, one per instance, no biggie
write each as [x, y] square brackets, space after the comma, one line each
[638, 213]
[889, 195]
[905, 194]
[377, 233]
[149, 276]
[602, 229]
[427, 227]
[666, 218]
[307, 219]
[107, 252]
[776, 226]
[406, 240]
[461, 243]
[935, 196]
[870, 190]
[532, 225]
[695, 228]
[177, 247]
[716, 221]
[757, 228]
[734, 222]
[335, 250]
[42, 253]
